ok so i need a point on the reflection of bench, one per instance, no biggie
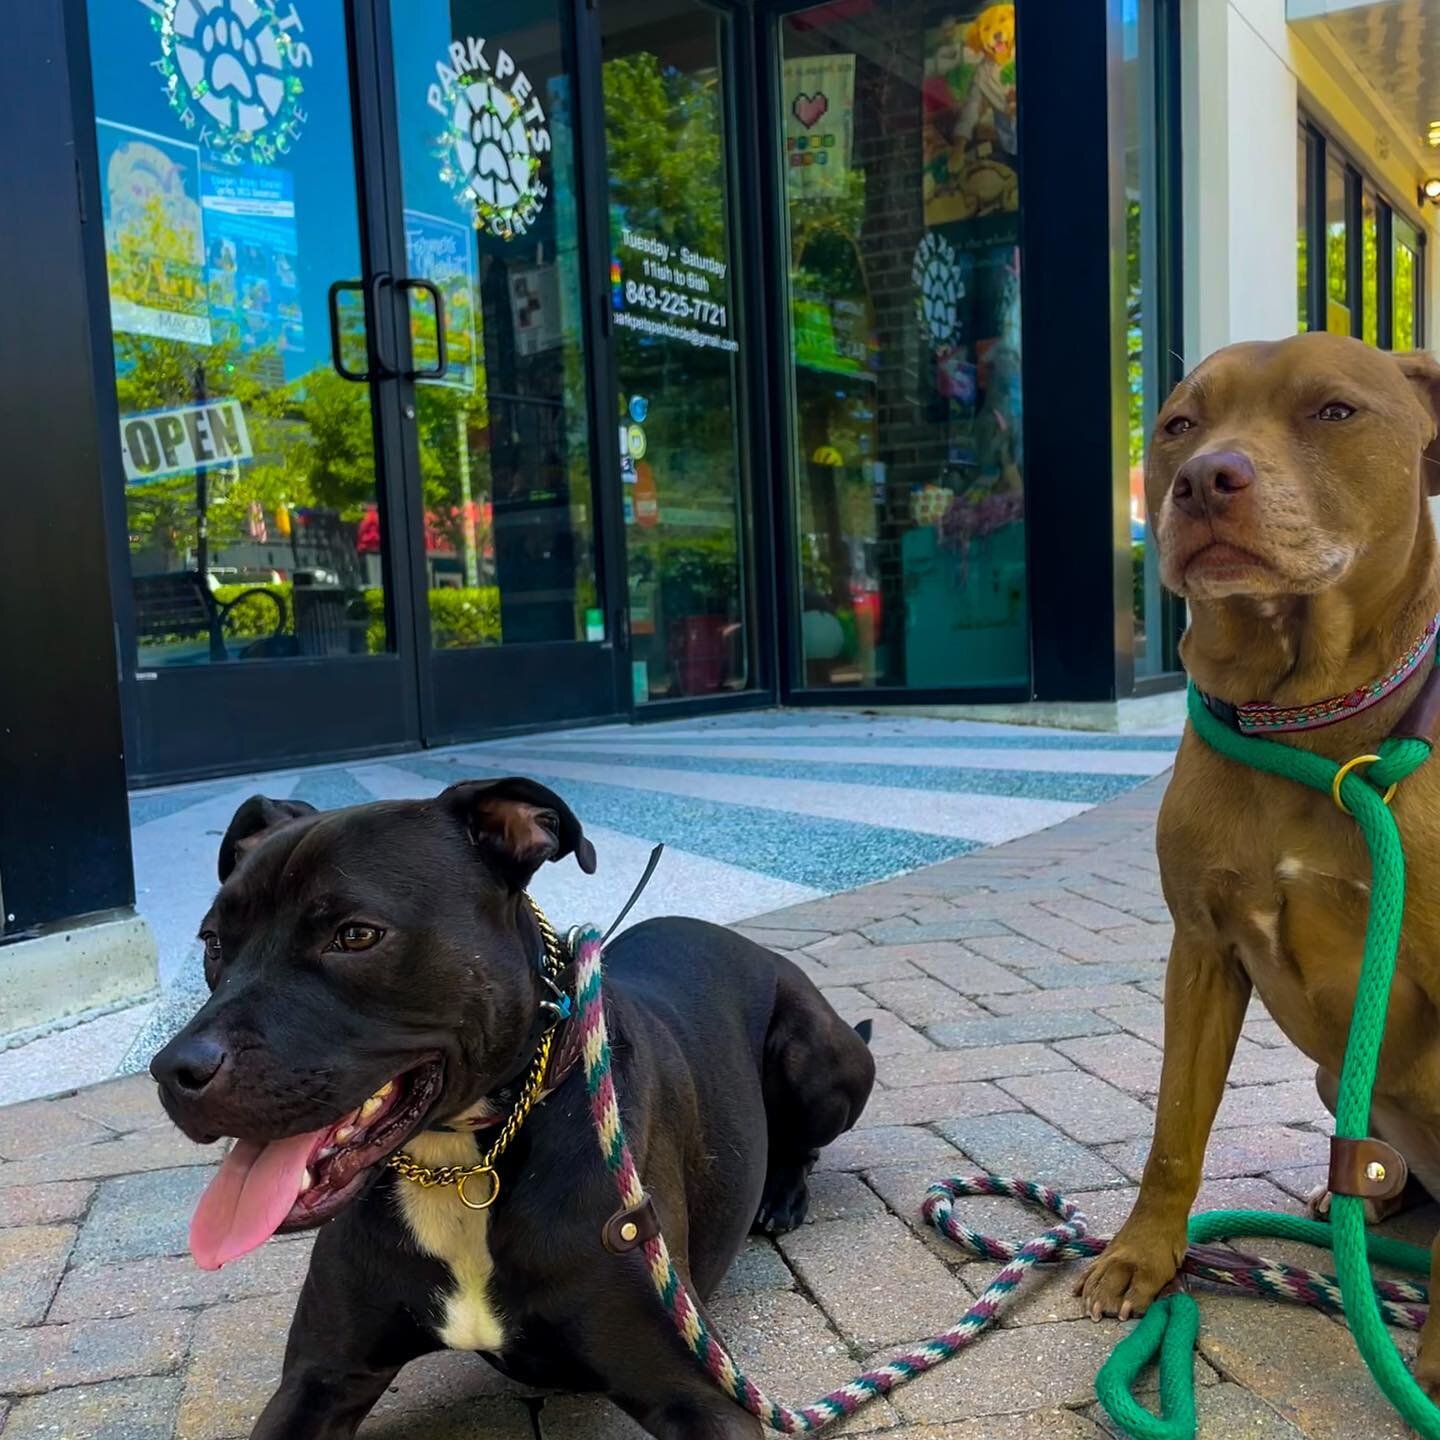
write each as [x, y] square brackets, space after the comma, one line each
[181, 606]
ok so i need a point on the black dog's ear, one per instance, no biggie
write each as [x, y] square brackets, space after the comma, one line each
[1422, 370]
[258, 817]
[518, 825]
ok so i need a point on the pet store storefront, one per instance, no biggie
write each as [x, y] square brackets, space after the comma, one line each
[472, 365]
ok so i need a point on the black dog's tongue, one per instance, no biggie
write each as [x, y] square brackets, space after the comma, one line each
[247, 1202]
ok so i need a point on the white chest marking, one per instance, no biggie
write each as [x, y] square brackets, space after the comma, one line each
[459, 1238]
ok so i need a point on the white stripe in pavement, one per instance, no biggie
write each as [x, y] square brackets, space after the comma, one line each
[175, 878]
[1072, 762]
[987, 819]
[937, 730]
[685, 883]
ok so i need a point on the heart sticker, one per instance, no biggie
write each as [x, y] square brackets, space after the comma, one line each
[808, 109]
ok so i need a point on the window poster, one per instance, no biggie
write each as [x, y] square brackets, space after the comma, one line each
[819, 95]
[970, 113]
[252, 257]
[442, 251]
[154, 235]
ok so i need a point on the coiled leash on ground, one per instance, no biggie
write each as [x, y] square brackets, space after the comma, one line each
[1168, 1331]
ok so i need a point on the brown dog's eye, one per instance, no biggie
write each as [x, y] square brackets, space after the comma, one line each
[1179, 425]
[1335, 411]
[357, 937]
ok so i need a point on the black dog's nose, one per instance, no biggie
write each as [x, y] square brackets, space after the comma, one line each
[188, 1064]
[1206, 483]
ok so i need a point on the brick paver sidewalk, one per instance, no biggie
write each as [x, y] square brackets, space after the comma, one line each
[1017, 1019]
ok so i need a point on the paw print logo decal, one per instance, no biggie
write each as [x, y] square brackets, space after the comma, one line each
[492, 147]
[490, 154]
[939, 289]
[230, 70]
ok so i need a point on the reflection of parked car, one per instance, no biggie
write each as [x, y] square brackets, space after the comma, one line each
[219, 575]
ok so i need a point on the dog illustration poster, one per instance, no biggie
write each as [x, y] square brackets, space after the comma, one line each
[970, 112]
[154, 235]
[819, 95]
[252, 255]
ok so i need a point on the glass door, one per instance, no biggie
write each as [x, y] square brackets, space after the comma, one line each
[508, 587]
[901, 224]
[677, 344]
[261, 583]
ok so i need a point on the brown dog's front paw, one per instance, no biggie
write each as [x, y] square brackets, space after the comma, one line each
[1134, 1268]
[1427, 1373]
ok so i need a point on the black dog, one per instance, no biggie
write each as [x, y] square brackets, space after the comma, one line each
[377, 982]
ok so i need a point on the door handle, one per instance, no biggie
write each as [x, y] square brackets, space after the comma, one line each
[383, 370]
[339, 288]
[442, 361]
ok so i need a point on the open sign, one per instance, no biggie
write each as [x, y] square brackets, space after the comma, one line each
[169, 442]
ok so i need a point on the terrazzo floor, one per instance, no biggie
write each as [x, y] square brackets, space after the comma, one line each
[756, 813]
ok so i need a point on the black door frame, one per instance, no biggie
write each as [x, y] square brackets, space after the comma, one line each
[1078, 566]
[520, 686]
[266, 712]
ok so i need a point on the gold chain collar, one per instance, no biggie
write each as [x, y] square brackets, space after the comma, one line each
[428, 1176]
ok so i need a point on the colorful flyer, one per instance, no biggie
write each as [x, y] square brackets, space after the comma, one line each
[970, 113]
[252, 259]
[154, 235]
[819, 96]
[443, 252]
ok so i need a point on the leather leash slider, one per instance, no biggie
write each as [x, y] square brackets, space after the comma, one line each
[626, 1229]
[1369, 1169]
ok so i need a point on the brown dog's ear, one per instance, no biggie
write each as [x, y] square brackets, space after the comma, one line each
[1422, 370]
[258, 817]
[518, 825]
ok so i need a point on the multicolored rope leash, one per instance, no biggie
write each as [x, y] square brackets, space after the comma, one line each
[1168, 1330]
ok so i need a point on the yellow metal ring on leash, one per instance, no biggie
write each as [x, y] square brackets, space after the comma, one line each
[489, 1200]
[1344, 770]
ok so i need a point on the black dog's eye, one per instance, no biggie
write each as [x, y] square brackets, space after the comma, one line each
[1335, 411]
[212, 946]
[357, 937]
[1179, 425]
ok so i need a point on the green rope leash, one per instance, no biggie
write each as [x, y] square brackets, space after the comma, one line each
[1170, 1327]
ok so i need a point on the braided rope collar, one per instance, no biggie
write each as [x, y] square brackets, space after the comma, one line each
[1259, 718]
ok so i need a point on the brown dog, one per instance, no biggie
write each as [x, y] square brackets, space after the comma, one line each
[1287, 484]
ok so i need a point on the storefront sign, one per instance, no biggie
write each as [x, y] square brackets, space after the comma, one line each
[495, 137]
[154, 235]
[169, 442]
[442, 252]
[647, 497]
[232, 73]
[819, 94]
[671, 292]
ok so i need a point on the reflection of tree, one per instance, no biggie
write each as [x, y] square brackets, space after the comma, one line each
[1135, 331]
[1336, 261]
[1403, 308]
[312, 438]
[664, 137]
[665, 141]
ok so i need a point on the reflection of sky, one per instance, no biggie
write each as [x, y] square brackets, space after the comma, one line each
[1130, 31]
[130, 91]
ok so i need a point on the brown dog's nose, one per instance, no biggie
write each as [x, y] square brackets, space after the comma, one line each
[188, 1065]
[1206, 483]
